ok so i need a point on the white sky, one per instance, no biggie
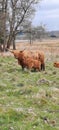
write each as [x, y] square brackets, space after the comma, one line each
[47, 14]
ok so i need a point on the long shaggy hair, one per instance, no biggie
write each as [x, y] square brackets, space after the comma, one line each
[36, 55]
[56, 64]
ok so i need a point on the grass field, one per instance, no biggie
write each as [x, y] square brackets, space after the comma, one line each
[29, 100]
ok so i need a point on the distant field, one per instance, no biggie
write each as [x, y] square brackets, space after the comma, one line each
[30, 100]
[49, 46]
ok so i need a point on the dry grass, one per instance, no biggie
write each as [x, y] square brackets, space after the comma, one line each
[49, 46]
[29, 101]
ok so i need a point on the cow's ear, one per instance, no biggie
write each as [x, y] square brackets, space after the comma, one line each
[22, 49]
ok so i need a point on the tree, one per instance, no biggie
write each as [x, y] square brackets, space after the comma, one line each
[34, 33]
[18, 13]
[3, 13]
[40, 32]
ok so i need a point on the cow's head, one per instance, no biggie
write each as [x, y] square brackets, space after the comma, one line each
[17, 53]
[55, 64]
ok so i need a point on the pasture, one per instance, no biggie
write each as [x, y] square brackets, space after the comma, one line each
[30, 100]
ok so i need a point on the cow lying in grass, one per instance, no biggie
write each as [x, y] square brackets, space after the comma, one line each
[56, 64]
[25, 57]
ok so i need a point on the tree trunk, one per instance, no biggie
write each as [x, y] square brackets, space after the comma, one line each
[1, 49]
[30, 39]
[4, 44]
[11, 41]
[14, 46]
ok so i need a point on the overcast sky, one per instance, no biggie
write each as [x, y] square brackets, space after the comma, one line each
[47, 14]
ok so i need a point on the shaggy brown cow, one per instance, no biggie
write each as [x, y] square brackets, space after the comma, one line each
[29, 62]
[39, 55]
[56, 64]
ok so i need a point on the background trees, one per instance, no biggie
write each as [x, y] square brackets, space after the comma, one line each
[3, 14]
[15, 14]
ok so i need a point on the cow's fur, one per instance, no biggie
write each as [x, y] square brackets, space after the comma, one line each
[39, 55]
[35, 56]
[29, 63]
[56, 64]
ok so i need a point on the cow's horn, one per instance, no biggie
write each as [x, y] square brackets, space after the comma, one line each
[23, 49]
[10, 50]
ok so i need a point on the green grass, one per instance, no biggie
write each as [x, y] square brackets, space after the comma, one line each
[28, 100]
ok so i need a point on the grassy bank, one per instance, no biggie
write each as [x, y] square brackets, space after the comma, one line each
[28, 100]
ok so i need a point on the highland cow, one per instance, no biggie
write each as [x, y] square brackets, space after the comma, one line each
[38, 56]
[56, 64]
